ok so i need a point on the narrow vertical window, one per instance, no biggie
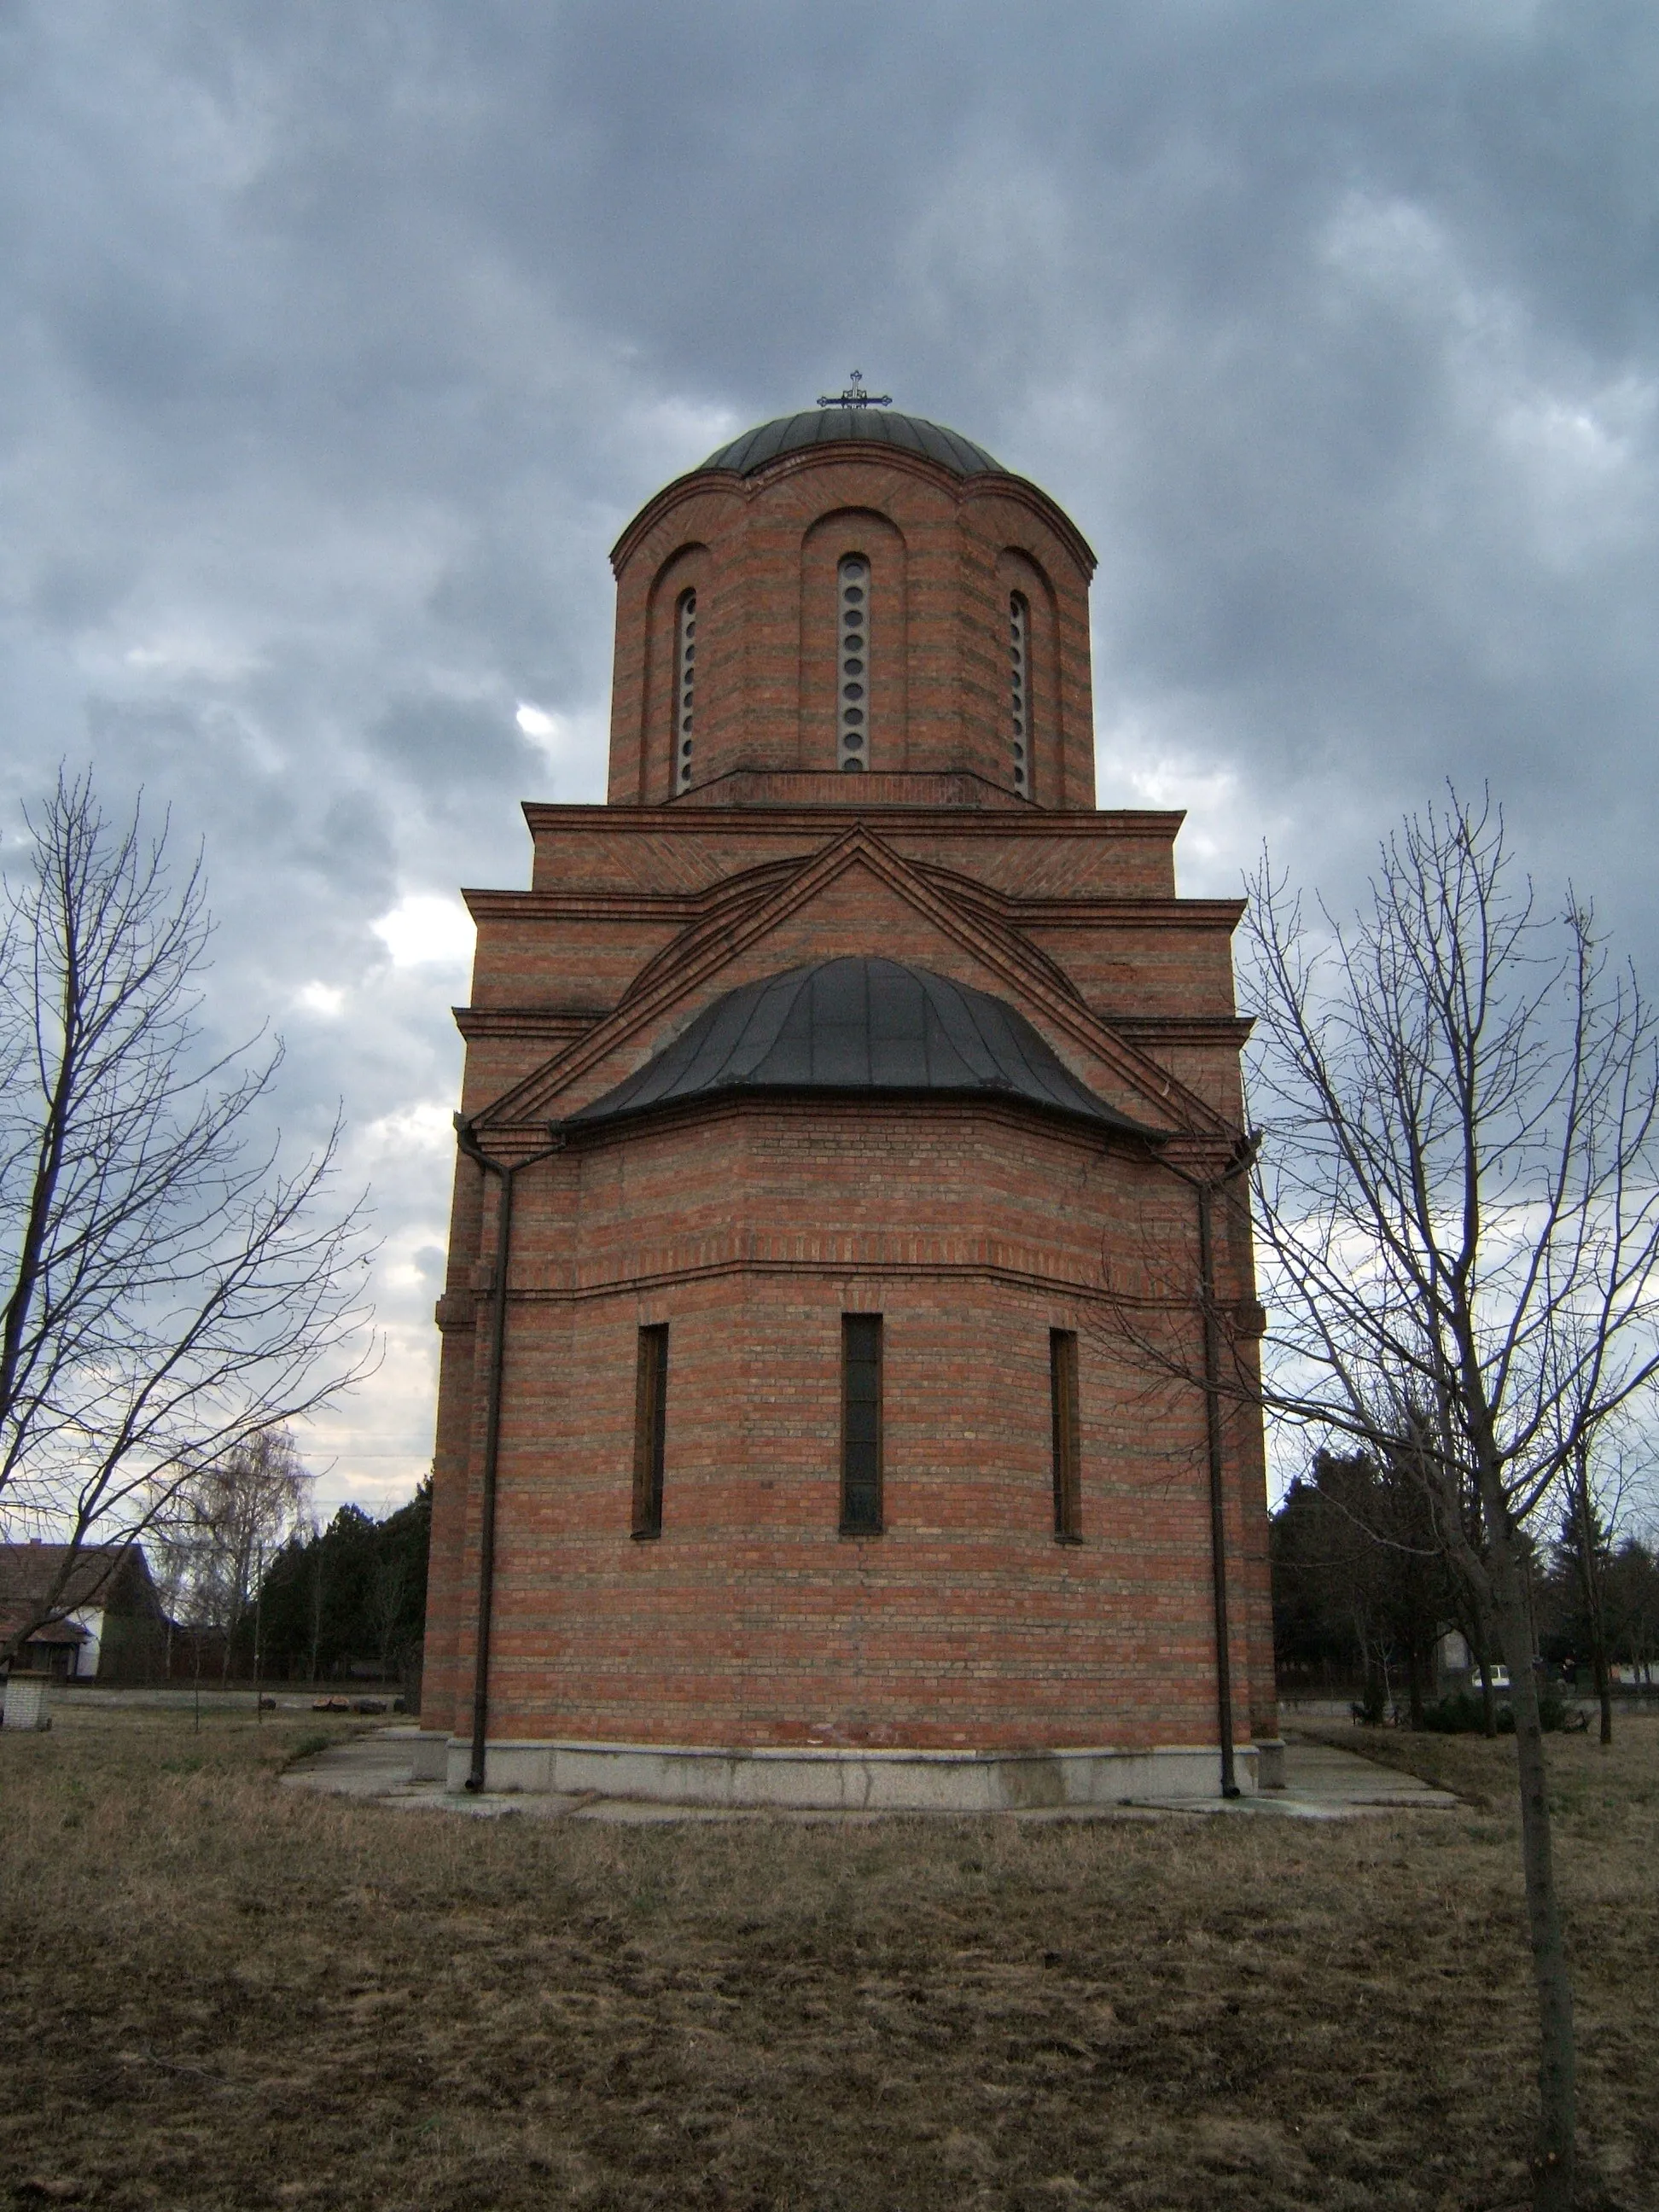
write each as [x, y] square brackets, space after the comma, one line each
[853, 662]
[1068, 1436]
[650, 1429]
[685, 684]
[1019, 632]
[861, 1424]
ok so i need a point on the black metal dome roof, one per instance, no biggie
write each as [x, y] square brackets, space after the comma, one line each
[821, 426]
[857, 1024]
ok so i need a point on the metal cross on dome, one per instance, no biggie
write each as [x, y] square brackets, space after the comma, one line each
[856, 395]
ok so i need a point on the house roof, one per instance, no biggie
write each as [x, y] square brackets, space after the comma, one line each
[49, 1632]
[113, 1575]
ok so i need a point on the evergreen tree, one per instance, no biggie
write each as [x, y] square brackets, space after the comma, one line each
[353, 1594]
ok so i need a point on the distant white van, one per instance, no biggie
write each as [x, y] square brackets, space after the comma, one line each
[1455, 1658]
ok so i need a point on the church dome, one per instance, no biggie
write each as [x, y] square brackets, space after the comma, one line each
[852, 1025]
[871, 425]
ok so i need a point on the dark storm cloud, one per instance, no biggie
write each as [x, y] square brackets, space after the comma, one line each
[452, 749]
[341, 342]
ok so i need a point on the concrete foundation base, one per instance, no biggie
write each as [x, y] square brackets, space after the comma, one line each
[28, 1702]
[833, 1780]
[1270, 1763]
[431, 1762]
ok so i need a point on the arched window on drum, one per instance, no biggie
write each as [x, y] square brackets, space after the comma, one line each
[852, 663]
[1020, 679]
[685, 686]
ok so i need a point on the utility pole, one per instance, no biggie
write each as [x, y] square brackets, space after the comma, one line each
[258, 1622]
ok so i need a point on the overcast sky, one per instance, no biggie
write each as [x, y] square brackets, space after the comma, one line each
[341, 340]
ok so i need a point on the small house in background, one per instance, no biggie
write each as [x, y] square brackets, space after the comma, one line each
[107, 1623]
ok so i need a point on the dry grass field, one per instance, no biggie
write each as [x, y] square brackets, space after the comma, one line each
[217, 1993]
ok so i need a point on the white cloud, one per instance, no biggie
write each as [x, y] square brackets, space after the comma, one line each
[324, 998]
[422, 930]
[211, 659]
[425, 1127]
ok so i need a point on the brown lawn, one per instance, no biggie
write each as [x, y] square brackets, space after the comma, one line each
[217, 1993]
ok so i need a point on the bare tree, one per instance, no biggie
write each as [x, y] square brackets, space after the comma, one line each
[170, 1289]
[175, 1554]
[240, 1511]
[1459, 1217]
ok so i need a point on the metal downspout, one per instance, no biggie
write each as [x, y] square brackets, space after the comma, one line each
[1244, 1152]
[470, 1145]
[1224, 1664]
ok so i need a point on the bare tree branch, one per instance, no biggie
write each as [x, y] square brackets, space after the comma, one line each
[170, 1289]
[1457, 1204]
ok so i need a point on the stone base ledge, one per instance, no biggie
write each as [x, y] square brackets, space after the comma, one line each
[26, 1701]
[809, 1779]
[1270, 1762]
[431, 1762]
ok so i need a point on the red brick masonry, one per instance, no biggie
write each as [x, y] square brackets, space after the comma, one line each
[749, 1225]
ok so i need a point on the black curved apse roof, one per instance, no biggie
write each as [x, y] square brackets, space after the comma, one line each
[857, 1025]
[820, 426]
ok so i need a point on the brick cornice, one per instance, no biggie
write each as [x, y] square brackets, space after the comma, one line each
[1233, 1029]
[546, 1022]
[1223, 914]
[627, 819]
[842, 453]
[695, 906]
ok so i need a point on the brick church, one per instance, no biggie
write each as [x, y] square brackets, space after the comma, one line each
[830, 1094]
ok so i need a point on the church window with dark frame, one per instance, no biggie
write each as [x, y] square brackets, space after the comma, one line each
[861, 1424]
[1019, 676]
[852, 663]
[650, 1429]
[1067, 1436]
[685, 684]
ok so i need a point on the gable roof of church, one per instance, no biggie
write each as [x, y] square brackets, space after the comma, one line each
[701, 953]
[857, 1024]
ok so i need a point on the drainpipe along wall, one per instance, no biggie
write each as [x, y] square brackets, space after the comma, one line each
[1204, 1190]
[506, 1176]
[1224, 1665]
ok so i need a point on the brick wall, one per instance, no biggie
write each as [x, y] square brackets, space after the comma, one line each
[750, 1230]
[751, 1226]
[761, 553]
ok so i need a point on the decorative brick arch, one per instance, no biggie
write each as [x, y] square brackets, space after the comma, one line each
[1018, 572]
[689, 567]
[845, 530]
